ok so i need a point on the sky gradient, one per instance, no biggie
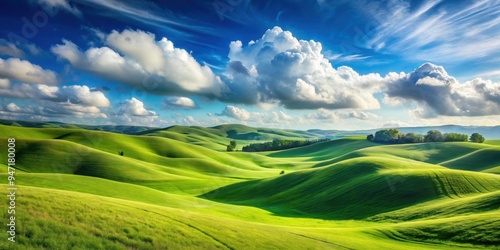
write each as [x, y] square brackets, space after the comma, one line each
[287, 64]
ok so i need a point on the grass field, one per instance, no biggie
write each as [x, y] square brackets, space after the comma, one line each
[176, 188]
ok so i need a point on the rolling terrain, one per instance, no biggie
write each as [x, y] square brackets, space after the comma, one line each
[177, 188]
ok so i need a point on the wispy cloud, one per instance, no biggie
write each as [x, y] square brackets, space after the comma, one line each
[62, 4]
[345, 58]
[437, 31]
[150, 14]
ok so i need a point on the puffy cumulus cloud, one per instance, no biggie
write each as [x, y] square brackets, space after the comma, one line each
[75, 94]
[81, 94]
[73, 110]
[189, 120]
[136, 58]
[103, 61]
[181, 102]
[236, 113]
[65, 103]
[22, 70]
[133, 112]
[45, 110]
[279, 68]
[29, 91]
[324, 114]
[134, 107]
[12, 111]
[12, 107]
[271, 117]
[439, 94]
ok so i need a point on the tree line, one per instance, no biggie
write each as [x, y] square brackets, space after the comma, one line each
[393, 136]
[278, 144]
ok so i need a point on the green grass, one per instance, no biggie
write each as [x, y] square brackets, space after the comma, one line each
[107, 223]
[444, 208]
[489, 159]
[492, 142]
[353, 189]
[478, 229]
[176, 188]
[326, 150]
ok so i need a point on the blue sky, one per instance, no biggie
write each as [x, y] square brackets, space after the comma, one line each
[289, 64]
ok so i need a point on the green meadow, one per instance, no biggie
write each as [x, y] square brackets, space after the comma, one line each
[178, 188]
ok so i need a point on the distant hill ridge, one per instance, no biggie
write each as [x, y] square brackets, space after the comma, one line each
[243, 132]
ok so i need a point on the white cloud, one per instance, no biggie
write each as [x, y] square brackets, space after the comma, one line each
[81, 94]
[294, 73]
[189, 120]
[4, 83]
[432, 31]
[282, 119]
[22, 70]
[134, 107]
[29, 91]
[344, 58]
[12, 107]
[75, 94]
[236, 113]
[61, 4]
[138, 59]
[70, 109]
[45, 110]
[10, 49]
[103, 62]
[324, 114]
[395, 124]
[179, 102]
[274, 118]
[149, 14]
[439, 94]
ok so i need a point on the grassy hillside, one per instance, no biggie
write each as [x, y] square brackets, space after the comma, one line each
[177, 188]
[120, 224]
[353, 189]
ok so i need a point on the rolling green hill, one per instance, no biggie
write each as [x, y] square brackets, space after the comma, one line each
[353, 189]
[177, 188]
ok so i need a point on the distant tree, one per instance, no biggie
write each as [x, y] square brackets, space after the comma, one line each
[278, 144]
[120, 153]
[387, 136]
[370, 137]
[476, 137]
[433, 136]
[410, 138]
[232, 146]
[455, 137]
[282, 172]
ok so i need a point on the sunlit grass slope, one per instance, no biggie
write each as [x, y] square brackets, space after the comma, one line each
[218, 137]
[80, 221]
[106, 223]
[454, 155]
[326, 150]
